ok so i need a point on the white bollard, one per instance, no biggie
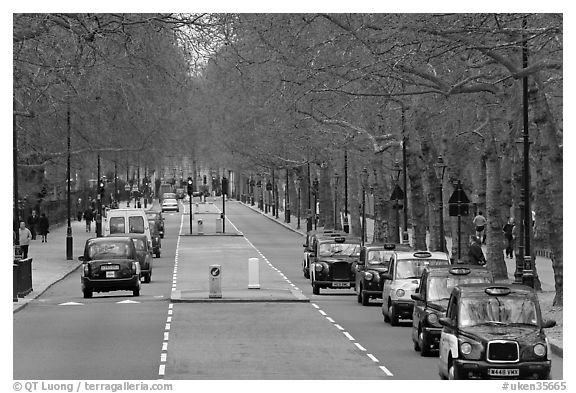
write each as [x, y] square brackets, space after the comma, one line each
[253, 273]
[200, 227]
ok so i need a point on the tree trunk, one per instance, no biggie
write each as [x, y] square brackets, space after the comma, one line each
[382, 225]
[494, 237]
[551, 183]
[325, 198]
[417, 198]
[355, 198]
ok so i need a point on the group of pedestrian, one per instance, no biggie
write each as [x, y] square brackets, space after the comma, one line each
[475, 252]
[36, 225]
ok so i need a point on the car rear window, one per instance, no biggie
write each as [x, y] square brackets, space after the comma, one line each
[117, 225]
[102, 250]
[413, 268]
[139, 244]
[136, 224]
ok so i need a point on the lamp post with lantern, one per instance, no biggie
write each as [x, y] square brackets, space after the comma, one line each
[397, 194]
[364, 183]
[440, 168]
[315, 190]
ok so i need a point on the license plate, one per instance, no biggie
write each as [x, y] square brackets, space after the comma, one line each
[110, 274]
[341, 284]
[503, 372]
[109, 267]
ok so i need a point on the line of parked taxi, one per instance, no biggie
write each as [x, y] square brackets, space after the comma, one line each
[479, 329]
[122, 258]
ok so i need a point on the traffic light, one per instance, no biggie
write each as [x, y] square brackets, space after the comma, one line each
[224, 186]
[101, 189]
[205, 180]
[189, 186]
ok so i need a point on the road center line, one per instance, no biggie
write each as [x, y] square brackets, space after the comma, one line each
[386, 371]
[374, 359]
[349, 336]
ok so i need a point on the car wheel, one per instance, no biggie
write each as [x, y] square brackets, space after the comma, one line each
[359, 296]
[157, 254]
[392, 315]
[161, 236]
[306, 273]
[136, 291]
[423, 343]
[315, 289]
[147, 277]
[416, 342]
[365, 298]
[386, 317]
[87, 293]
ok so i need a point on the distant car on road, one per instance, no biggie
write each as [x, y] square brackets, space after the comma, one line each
[402, 279]
[180, 193]
[156, 216]
[144, 254]
[431, 299]
[110, 264]
[170, 205]
[494, 331]
[156, 242]
[309, 244]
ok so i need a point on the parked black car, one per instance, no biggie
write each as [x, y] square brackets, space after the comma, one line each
[158, 219]
[156, 242]
[110, 264]
[144, 254]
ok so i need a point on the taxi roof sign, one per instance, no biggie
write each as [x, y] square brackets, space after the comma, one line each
[422, 254]
[460, 271]
[498, 291]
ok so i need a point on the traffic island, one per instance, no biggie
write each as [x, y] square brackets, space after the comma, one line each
[240, 295]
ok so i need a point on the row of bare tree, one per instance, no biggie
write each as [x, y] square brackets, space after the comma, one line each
[260, 91]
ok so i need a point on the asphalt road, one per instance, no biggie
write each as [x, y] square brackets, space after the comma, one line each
[116, 336]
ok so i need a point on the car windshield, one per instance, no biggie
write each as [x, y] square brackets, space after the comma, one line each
[378, 257]
[440, 288]
[153, 227]
[413, 268]
[110, 250]
[497, 310]
[345, 249]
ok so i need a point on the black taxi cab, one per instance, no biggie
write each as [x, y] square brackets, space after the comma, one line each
[372, 265]
[431, 299]
[402, 279]
[110, 263]
[332, 262]
[309, 244]
[494, 331]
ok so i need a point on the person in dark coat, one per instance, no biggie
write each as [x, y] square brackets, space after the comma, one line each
[43, 225]
[475, 253]
[33, 224]
[509, 230]
[88, 216]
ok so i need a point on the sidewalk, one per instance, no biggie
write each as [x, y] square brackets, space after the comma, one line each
[543, 264]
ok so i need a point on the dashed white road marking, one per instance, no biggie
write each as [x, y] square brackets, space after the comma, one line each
[349, 336]
[330, 319]
[386, 371]
[315, 305]
[360, 347]
[374, 359]
[338, 326]
[322, 312]
[161, 369]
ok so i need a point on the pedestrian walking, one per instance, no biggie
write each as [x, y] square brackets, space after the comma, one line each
[480, 225]
[509, 230]
[33, 224]
[88, 216]
[475, 254]
[44, 225]
[25, 237]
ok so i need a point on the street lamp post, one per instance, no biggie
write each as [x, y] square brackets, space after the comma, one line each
[440, 168]
[99, 205]
[287, 198]
[364, 183]
[336, 179]
[298, 184]
[346, 224]
[316, 186]
[69, 239]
